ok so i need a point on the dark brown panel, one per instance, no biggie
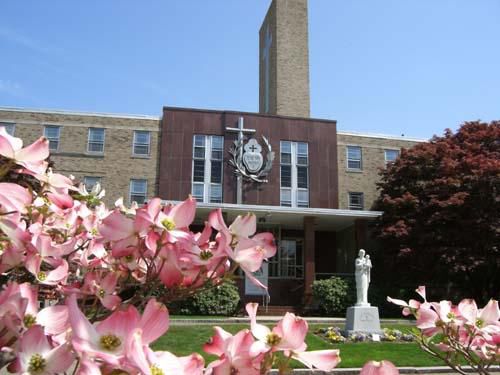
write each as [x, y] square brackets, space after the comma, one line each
[179, 125]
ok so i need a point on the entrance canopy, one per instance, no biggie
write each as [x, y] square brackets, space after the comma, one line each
[326, 219]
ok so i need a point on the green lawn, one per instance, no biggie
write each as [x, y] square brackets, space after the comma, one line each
[183, 340]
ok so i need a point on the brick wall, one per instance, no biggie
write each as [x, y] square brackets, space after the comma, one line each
[116, 165]
[373, 158]
[289, 59]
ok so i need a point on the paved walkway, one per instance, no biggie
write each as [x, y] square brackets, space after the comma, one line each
[274, 319]
[402, 370]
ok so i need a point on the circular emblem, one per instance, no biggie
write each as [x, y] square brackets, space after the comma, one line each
[252, 157]
[250, 164]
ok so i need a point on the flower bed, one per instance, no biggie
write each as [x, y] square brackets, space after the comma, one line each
[336, 335]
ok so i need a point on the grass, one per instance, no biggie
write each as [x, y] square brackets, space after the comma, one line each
[184, 340]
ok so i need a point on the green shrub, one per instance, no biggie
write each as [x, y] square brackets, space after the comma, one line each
[333, 296]
[220, 300]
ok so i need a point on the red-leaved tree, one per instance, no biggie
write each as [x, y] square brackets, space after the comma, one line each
[441, 220]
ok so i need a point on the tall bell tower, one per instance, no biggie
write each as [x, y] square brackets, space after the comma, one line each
[284, 60]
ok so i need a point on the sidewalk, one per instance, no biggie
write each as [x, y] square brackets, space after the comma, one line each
[274, 319]
[441, 370]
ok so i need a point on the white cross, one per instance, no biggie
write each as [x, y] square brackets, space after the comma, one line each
[268, 39]
[241, 131]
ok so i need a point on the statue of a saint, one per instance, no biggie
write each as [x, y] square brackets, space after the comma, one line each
[363, 266]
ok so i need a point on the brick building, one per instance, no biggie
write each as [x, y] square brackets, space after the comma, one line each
[315, 196]
[120, 152]
[360, 156]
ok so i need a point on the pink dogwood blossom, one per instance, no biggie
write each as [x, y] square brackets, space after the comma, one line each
[462, 331]
[32, 157]
[108, 339]
[233, 352]
[379, 368]
[289, 336]
[37, 356]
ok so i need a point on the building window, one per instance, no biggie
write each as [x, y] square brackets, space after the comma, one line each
[91, 181]
[9, 127]
[96, 140]
[207, 168]
[288, 261]
[142, 140]
[294, 174]
[138, 190]
[391, 155]
[52, 133]
[354, 159]
[356, 201]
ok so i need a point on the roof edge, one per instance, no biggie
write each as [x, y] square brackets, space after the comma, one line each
[306, 211]
[79, 113]
[222, 111]
[381, 136]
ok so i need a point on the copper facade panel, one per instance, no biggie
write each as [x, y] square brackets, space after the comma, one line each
[179, 125]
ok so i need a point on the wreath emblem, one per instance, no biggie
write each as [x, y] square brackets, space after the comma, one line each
[240, 169]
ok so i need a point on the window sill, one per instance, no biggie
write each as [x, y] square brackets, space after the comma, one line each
[77, 154]
[135, 156]
[354, 170]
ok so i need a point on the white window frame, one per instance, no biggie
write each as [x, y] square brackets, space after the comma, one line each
[135, 143]
[11, 126]
[134, 193]
[97, 178]
[356, 160]
[103, 141]
[356, 207]
[294, 189]
[207, 184]
[390, 150]
[58, 139]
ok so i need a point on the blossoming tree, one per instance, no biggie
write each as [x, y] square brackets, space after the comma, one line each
[85, 287]
[457, 333]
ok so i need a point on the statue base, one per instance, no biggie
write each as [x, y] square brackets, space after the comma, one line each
[362, 319]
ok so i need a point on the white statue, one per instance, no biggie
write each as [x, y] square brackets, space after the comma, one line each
[363, 266]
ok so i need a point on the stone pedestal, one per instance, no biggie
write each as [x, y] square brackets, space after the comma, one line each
[362, 319]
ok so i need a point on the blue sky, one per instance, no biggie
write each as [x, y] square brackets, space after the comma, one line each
[395, 67]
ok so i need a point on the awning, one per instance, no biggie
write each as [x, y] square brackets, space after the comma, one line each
[288, 217]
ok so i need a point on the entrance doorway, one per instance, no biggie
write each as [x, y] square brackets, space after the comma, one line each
[288, 263]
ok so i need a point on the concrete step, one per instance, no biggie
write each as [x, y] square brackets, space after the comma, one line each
[275, 310]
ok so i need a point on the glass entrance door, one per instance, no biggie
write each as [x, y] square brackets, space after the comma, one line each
[288, 261]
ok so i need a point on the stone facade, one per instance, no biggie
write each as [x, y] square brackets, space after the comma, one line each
[116, 166]
[286, 26]
[373, 158]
